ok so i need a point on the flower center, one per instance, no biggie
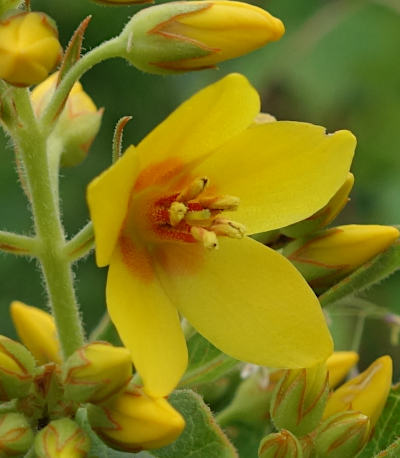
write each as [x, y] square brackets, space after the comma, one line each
[189, 216]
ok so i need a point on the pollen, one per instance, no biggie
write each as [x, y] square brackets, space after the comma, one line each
[188, 216]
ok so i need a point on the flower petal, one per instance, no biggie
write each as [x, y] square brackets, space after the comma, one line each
[248, 301]
[146, 321]
[108, 198]
[282, 171]
[202, 123]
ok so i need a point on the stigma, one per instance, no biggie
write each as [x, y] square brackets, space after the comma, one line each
[190, 216]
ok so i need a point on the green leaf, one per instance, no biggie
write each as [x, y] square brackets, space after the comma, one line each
[98, 448]
[387, 430]
[393, 451]
[370, 273]
[206, 362]
[202, 437]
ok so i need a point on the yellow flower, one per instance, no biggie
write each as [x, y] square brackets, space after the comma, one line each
[37, 331]
[29, 48]
[366, 393]
[163, 208]
[182, 36]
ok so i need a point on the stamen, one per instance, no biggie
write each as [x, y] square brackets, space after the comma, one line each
[193, 190]
[228, 228]
[198, 216]
[208, 238]
[177, 212]
[229, 203]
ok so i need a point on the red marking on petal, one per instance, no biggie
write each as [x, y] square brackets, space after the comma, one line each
[158, 174]
[136, 259]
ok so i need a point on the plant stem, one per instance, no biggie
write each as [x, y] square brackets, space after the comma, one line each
[81, 244]
[17, 244]
[107, 50]
[49, 231]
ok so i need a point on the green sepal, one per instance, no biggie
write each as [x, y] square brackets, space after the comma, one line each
[282, 444]
[16, 435]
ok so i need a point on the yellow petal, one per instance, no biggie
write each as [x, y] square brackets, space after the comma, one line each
[339, 364]
[202, 123]
[147, 322]
[108, 199]
[282, 171]
[37, 331]
[248, 301]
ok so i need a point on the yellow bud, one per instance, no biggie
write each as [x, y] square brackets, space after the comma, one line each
[182, 36]
[134, 421]
[37, 331]
[327, 256]
[280, 445]
[96, 371]
[16, 369]
[29, 48]
[339, 364]
[366, 393]
[16, 435]
[62, 438]
[326, 215]
[78, 123]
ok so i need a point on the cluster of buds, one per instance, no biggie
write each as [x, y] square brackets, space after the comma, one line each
[40, 395]
[314, 422]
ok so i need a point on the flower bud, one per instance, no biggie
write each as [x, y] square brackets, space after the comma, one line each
[339, 364]
[280, 445]
[182, 36]
[299, 399]
[133, 421]
[96, 371]
[37, 331]
[16, 435]
[328, 256]
[62, 438]
[77, 125]
[29, 48]
[366, 393]
[16, 369]
[342, 435]
[325, 216]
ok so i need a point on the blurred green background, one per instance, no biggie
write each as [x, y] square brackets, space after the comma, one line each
[338, 65]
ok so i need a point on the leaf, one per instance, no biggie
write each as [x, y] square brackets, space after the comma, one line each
[206, 362]
[393, 451]
[370, 273]
[73, 51]
[387, 430]
[202, 437]
[98, 448]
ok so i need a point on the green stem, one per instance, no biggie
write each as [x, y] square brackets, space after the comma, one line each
[17, 244]
[49, 231]
[107, 50]
[81, 244]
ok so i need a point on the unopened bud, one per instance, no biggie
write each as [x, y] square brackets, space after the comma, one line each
[77, 125]
[325, 216]
[299, 399]
[280, 445]
[307, 445]
[339, 364]
[134, 421]
[366, 393]
[37, 331]
[328, 256]
[181, 36]
[16, 435]
[96, 371]
[16, 369]
[29, 48]
[342, 435]
[62, 438]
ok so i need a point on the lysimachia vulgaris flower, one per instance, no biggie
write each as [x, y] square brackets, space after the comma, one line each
[162, 210]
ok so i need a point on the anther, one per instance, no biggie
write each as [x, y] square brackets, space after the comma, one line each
[177, 212]
[228, 228]
[193, 190]
[198, 217]
[208, 238]
[229, 203]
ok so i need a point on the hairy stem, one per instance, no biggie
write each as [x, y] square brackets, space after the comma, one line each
[17, 244]
[81, 244]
